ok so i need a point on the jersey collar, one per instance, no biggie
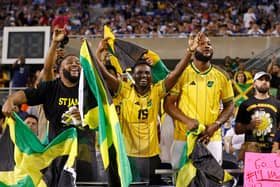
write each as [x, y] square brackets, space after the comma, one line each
[199, 72]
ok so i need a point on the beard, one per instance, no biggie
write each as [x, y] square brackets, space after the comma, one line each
[199, 56]
[262, 89]
[72, 79]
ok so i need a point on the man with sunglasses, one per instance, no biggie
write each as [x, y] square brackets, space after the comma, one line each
[258, 117]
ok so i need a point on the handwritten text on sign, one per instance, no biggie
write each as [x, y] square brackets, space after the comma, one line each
[262, 170]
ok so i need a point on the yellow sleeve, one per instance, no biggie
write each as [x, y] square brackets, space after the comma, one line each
[160, 87]
[123, 89]
[176, 89]
[227, 90]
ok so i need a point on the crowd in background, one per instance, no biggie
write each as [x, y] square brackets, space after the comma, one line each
[142, 18]
[154, 18]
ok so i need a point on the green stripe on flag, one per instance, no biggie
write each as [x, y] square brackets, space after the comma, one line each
[25, 182]
[30, 159]
[109, 128]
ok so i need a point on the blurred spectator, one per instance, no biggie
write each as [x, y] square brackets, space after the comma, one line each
[233, 142]
[43, 19]
[62, 18]
[274, 69]
[22, 114]
[241, 88]
[227, 65]
[276, 31]
[235, 63]
[163, 17]
[32, 122]
[4, 78]
[255, 30]
[248, 17]
[276, 143]
[254, 71]
[241, 67]
[20, 73]
[224, 31]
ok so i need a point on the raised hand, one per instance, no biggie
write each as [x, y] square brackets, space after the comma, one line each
[194, 41]
[102, 50]
[8, 108]
[149, 60]
[58, 34]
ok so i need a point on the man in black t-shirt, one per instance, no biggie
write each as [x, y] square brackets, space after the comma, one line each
[58, 97]
[259, 116]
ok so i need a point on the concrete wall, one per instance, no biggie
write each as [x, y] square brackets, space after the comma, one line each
[174, 48]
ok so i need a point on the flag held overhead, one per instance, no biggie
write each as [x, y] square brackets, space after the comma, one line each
[108, 123]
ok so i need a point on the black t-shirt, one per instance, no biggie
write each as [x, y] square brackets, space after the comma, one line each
[269, 109]
[277, 137]
[56, 99]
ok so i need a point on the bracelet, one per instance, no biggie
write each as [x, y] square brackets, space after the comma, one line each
[190, 50]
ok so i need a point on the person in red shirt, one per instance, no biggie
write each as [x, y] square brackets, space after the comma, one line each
[61, 21]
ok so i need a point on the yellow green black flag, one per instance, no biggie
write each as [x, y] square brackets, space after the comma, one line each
[24, 161]
[109, 132]
[199, 167]
[125, 54]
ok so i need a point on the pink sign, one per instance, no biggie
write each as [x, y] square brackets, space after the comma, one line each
[262, 170]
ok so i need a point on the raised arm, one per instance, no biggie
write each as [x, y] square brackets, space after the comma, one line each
[272, 62]
[173, 76]
[101, 53]
[47, 72]
[16, 98]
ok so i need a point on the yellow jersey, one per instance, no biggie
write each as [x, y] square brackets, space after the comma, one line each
[200, 95]
[139, 119]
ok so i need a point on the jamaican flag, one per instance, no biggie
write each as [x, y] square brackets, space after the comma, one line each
[25, 162]
[242, 91]
[123, 55]
[109, 132]
[198, 166]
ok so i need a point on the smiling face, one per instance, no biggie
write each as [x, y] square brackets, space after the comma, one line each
[142, 76]
[70, 69]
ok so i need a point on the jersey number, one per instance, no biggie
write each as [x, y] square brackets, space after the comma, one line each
[143, 114]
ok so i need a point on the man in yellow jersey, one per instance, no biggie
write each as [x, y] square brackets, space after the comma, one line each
[140, 103]
[198, 95]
